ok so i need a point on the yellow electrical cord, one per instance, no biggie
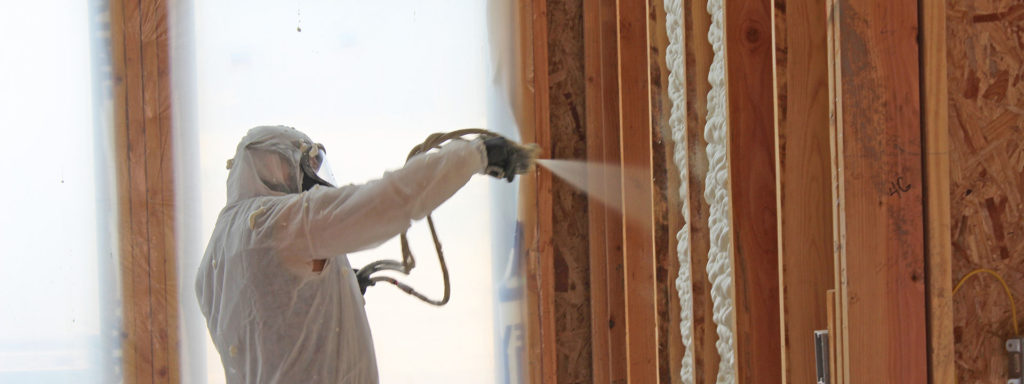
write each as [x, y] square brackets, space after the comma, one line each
[1006, 288]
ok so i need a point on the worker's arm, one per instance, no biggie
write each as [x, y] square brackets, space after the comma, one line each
[357, 217]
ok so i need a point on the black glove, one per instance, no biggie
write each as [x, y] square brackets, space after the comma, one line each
[504, 159]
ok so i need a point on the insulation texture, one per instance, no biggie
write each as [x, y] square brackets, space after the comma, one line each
[677, 122]
[716, 192]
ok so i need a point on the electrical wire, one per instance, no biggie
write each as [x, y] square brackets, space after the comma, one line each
[1006, 288]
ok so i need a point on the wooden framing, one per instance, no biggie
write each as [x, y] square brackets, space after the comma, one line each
[938, 242]
[890, 172]
[845, 196]
[878, 170]
[145, 186]
[605, 223]
[830, 312]
[748, 49]
[837, 351]
[596, 211]
[637, 192]
[540, 326]
[614, 233]
[804, 200]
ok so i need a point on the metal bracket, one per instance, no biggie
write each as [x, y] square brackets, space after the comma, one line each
[1015, 360]
[821, 357]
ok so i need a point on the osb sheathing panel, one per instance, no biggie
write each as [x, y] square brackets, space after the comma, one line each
[568, 141]
[986, 67]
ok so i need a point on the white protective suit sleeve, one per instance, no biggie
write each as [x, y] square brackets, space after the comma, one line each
[326, 222]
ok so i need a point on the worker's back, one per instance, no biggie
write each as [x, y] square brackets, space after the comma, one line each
[272, 318]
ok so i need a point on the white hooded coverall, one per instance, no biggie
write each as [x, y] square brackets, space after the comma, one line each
[272, 318]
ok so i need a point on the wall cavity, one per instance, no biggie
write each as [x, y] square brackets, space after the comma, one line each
[674, 59]
[716, 192]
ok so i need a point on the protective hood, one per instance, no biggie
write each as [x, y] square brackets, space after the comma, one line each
[267, 163]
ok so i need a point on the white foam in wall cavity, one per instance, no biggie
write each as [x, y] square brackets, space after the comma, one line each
[716, 192]
[677, 92]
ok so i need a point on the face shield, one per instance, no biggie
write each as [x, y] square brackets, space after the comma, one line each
[315, 168]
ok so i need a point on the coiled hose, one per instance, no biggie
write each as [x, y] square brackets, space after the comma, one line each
[365, 275]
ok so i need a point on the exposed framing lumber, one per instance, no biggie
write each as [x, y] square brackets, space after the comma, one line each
[608, 325]
[637, 190]
[803, 163]
[145, 185]
[605, 223]
[836, 350]
[540, 312]
[878, 167]
[596, 211]
[748, 47]
[613, 186]
[830, 312]
[938, 246]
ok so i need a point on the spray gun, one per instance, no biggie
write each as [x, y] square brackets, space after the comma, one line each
[520, 158]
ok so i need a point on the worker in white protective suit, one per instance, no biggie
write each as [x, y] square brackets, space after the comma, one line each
[280, 298]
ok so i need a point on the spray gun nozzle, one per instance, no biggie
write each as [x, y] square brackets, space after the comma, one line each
[527, 157]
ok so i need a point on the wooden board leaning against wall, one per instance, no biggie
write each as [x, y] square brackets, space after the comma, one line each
[877, 168]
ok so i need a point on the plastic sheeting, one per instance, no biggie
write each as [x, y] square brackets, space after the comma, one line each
[369, 80]
[504, 111]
